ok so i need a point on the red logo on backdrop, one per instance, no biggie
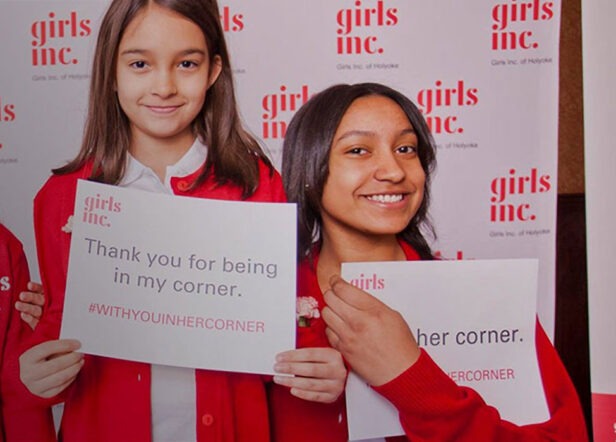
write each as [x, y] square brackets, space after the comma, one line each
[370, 282]
[231, 22]
[459, 256]
[439, 102]
[509, 20]
[363, 15]
[279, 107]
[7, 113]
[509, 201]
[97, 208]
[52, 35]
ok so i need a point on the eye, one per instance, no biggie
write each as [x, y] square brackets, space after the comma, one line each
[357, 151]
[187, 64]
[140, 64]
[407, 150]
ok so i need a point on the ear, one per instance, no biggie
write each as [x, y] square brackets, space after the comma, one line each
[215, 70]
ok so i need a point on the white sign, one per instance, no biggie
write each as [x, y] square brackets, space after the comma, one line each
[181, 281]
[476, 319]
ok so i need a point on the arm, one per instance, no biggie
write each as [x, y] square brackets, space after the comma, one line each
[428, 401]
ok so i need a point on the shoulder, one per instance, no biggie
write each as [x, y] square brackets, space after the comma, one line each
[270, 185]
[10, 246]
[61, 187]
[8, 238]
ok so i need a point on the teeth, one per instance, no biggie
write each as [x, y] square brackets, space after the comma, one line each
[385, 198]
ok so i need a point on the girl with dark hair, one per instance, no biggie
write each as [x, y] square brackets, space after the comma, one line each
[162, 117]
[358, 159]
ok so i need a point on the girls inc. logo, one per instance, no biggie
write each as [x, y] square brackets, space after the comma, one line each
[350, 20]
[278, 108]
[502, 208]
[49, 38]
[445, 98]
[97, 208]
[369, 282]
[509, 17]
[231, 22]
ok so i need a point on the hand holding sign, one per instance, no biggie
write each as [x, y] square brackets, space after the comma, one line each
[373, 338]
[48, 368]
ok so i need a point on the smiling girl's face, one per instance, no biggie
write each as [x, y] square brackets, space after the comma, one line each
[163, 73]
[376, 181]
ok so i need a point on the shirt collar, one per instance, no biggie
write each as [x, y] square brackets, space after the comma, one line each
[192, 160]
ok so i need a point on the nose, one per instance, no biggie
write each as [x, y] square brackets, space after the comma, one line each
[163, 84]
[388, 167]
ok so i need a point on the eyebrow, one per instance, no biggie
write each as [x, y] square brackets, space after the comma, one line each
[147, 51]
[369, 133]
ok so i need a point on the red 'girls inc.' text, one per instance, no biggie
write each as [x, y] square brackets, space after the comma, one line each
[177, 320]
[509, 23]
[51, 38]
[509, 200]
[437, 103]
[367, 16]
[278, 108]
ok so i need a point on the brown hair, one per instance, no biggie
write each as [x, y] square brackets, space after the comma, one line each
[232, 151]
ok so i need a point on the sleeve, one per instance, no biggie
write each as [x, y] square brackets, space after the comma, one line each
[53, 208]
[431, 404]
[25, 417]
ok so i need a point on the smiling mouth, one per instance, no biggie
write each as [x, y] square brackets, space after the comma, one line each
[163, 109]
[386, 198]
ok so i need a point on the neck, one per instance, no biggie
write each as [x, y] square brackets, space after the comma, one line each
[339, 248]
[158, 154]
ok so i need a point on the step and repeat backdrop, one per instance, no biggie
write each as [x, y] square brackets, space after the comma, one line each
[599, 42]
[483, 72]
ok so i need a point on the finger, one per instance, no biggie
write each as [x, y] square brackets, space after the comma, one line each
[313, 370]
[47, 349]
[326, 397]
[352, 295]
[310, 384]
[58, 381]
[41, 370]
[337, 314]
[333, 338]
[32, 298]
[30, 309]
[35, 287]
[308, 354]
[30, 320]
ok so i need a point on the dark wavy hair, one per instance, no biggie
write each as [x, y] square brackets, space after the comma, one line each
[231, 149]
[305, 160]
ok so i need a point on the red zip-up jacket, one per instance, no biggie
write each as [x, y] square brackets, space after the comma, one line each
[17, 403]
[110, 398]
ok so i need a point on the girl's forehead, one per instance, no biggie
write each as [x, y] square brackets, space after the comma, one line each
[156, 27]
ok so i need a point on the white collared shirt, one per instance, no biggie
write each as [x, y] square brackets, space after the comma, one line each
[173, 389]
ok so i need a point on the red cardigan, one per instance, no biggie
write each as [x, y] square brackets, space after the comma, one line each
[110, 399]
[431, 406]
[14, 277]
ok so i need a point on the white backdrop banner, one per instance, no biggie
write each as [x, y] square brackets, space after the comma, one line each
[484, 73]
[600, 159]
